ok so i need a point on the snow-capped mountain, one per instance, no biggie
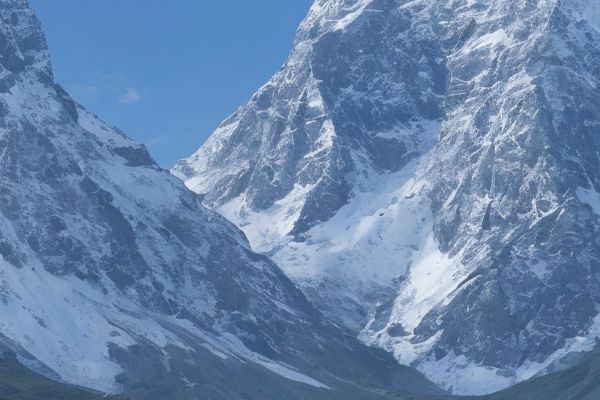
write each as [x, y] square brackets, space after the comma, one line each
[321, 132]
[114, 277]
[427, 172]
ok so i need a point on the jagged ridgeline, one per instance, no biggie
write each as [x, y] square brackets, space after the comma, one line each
[428, 173]
[114, 277]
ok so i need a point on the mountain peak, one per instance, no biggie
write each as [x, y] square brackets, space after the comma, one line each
[114, 277]
[425, 171]
[22, 39]
[327, 15]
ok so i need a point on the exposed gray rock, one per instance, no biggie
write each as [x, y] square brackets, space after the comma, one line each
[114, 277]
[428, 173]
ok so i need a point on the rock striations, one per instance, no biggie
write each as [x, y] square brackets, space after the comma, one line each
[114, 277]
[428, 173]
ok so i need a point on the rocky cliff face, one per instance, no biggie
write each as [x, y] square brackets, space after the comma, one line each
[427, 171]
[338, 116]
[114, 277]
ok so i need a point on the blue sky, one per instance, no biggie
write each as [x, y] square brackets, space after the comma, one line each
[167, 72]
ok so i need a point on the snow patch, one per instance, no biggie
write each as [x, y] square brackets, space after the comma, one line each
[589, 197]
[432, 278]
[285, 371]
[492, 39]
[264, 229]
[58, 322]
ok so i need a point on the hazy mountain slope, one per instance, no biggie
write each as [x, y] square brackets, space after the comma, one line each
[114, 277]
[426, 171]
[577, 383]
[19, 383]
[581, 382]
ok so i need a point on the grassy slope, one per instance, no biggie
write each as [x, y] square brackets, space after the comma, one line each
[19, 383]
[581, 382]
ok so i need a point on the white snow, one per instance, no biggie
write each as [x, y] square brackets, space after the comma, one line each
[385, 231]
[463, 377]
[327, 14]
[354, 13]
[432, 278]
[589, 197]
[285, 371]
[495, 38]
[270, 226]
[56, 321]
[363, 242]
[101, 130]
[325, 141]
[69, 324]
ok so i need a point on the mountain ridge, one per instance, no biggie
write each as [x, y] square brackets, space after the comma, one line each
[114, 277]
[425, 172]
